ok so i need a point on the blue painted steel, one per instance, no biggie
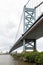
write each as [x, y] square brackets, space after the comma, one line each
[29, 17]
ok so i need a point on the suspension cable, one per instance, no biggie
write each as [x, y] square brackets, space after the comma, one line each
[19, 25]
[39, 5]
[27, 2]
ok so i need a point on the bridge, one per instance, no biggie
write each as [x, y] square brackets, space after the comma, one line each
[32, 29]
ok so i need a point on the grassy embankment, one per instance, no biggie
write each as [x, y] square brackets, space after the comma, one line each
[33, 57]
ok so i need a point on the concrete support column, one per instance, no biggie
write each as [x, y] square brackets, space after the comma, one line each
[24, 45]
[34, 44]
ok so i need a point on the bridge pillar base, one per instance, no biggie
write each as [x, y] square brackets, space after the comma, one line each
[29, 44]
[35, 45]
[24, 45]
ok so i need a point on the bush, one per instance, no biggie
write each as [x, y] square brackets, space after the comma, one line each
[30, 56]
[34, 57]
[39, 58]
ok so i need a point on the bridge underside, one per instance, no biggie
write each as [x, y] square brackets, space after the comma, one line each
[31, 35]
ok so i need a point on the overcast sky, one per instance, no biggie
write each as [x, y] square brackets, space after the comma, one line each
[10, 14]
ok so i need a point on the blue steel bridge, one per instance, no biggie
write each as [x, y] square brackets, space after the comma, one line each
[32, 27]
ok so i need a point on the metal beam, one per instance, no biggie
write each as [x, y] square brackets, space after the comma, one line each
[34, 32]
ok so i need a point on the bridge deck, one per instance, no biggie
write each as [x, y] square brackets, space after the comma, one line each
[34, 32]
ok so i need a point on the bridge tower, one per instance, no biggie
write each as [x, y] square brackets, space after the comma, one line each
[29, 19]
